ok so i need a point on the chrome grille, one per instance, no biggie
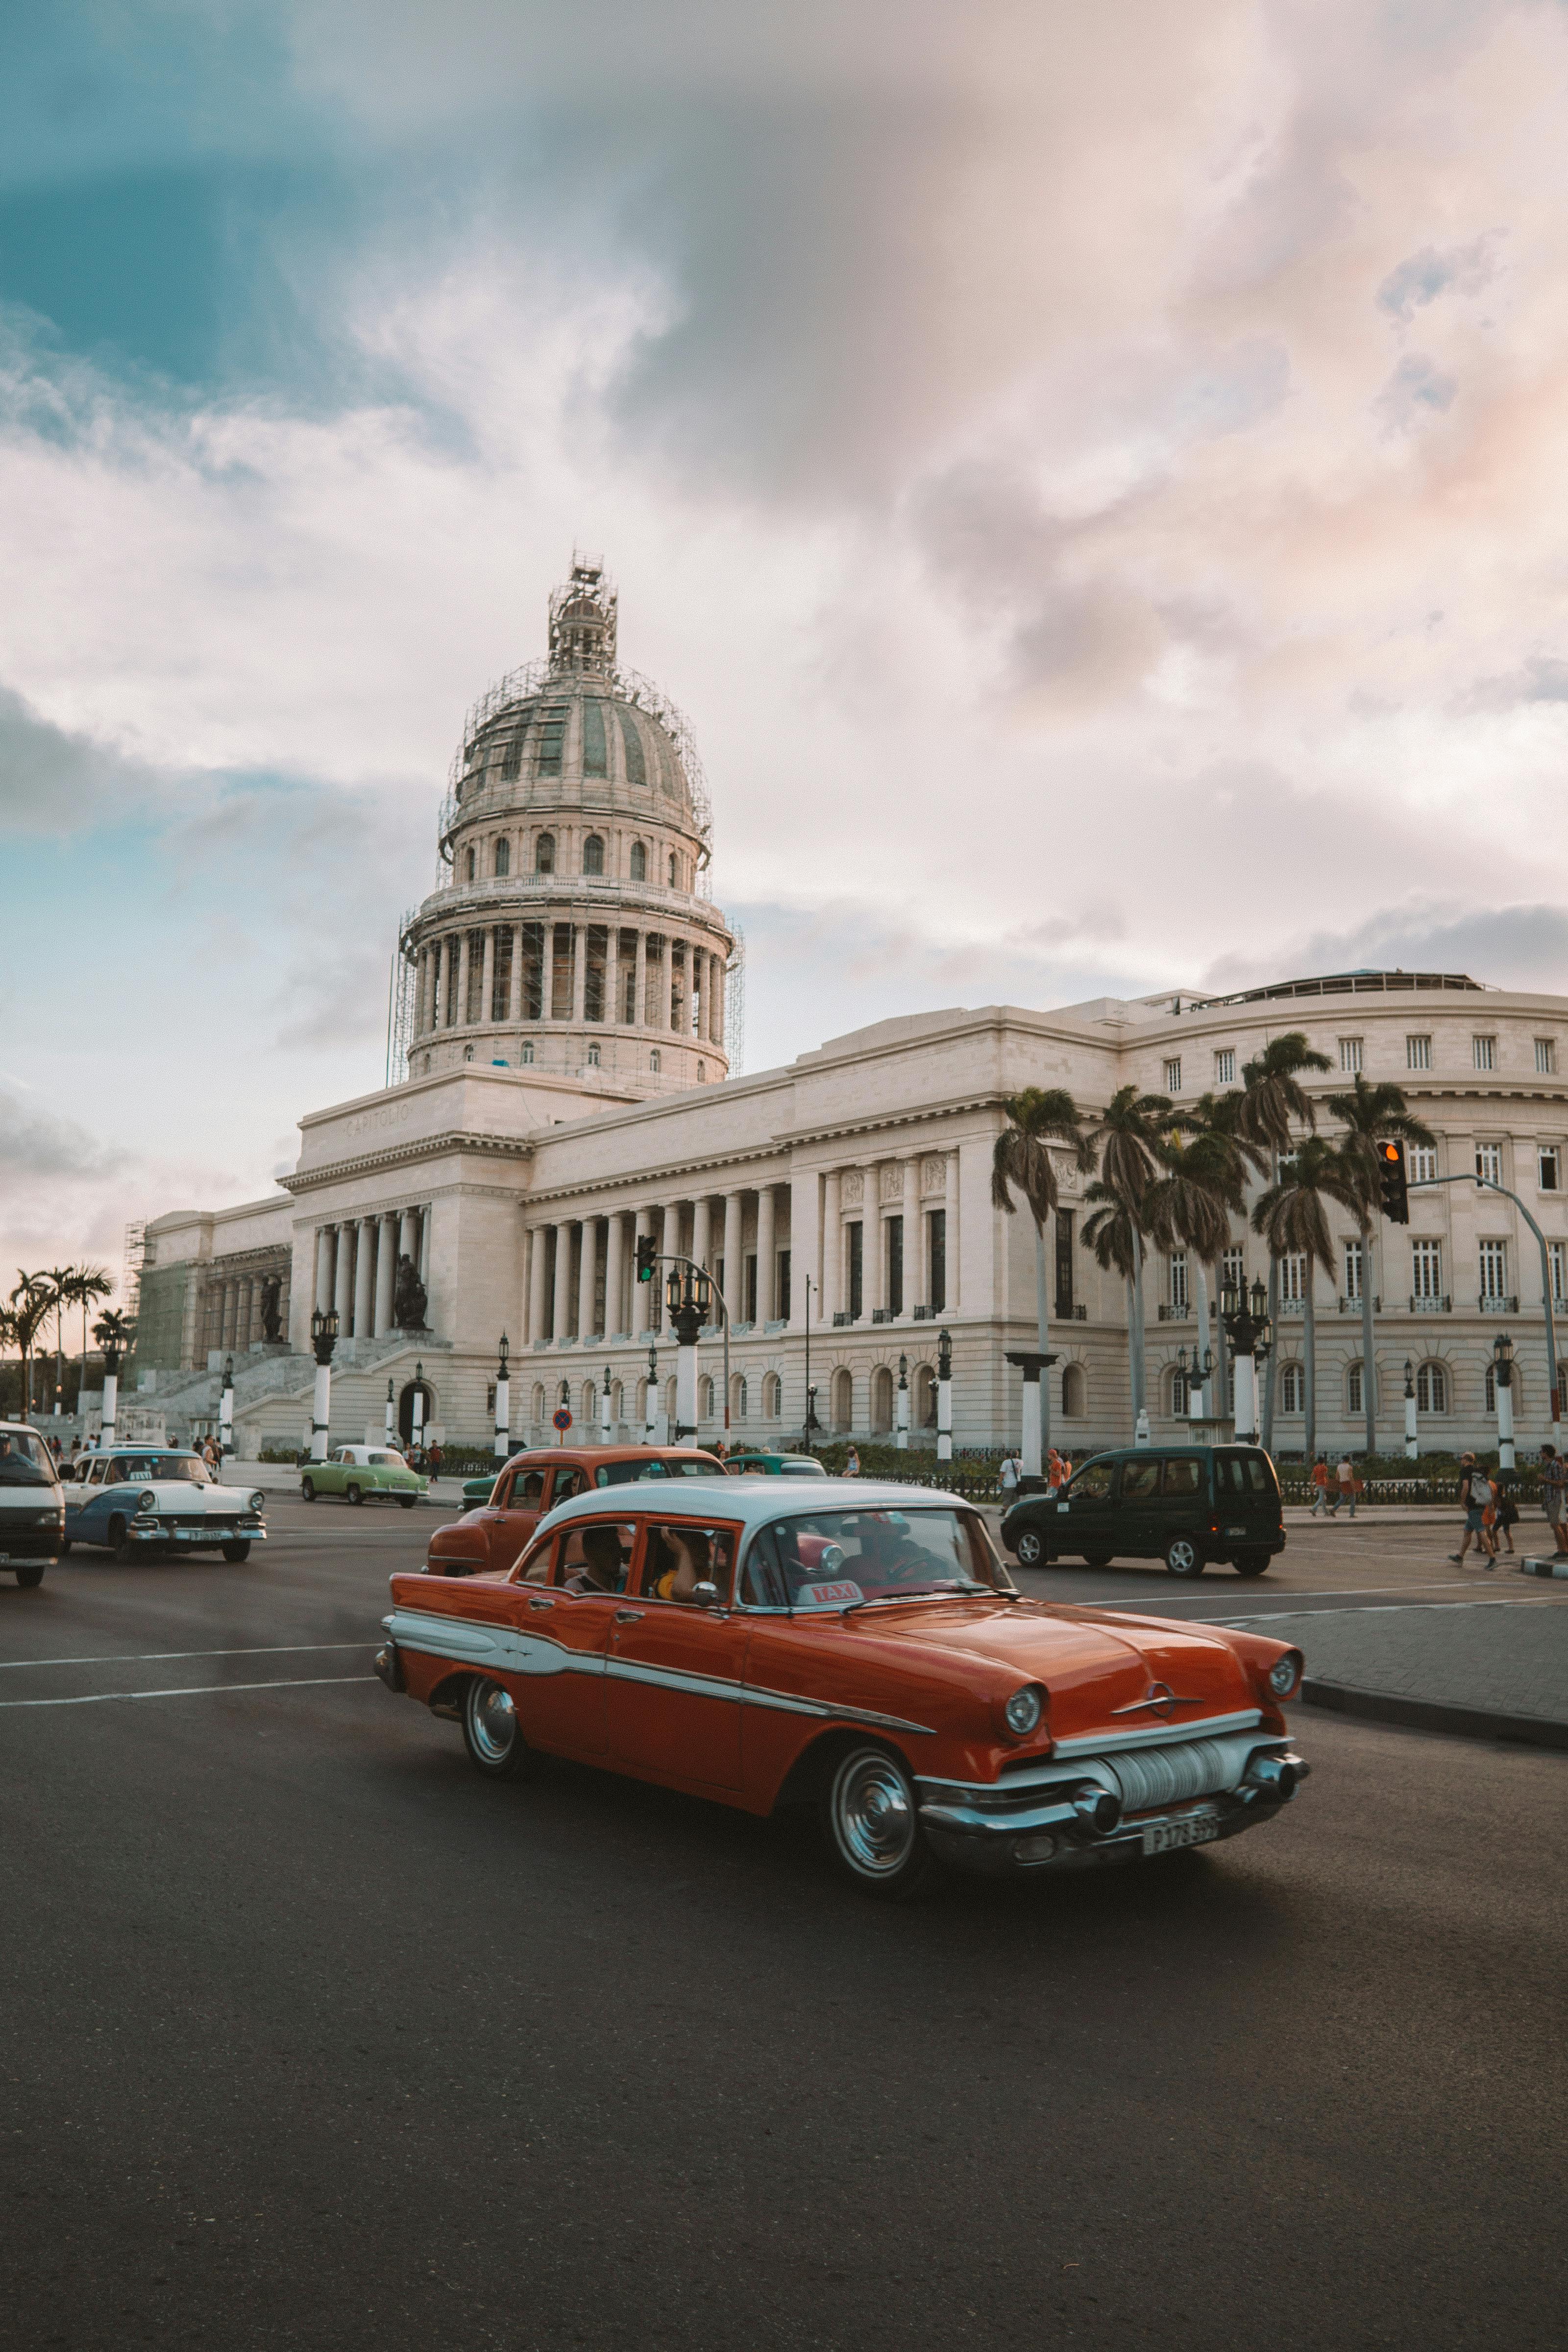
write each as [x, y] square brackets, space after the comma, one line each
[1163, 1776]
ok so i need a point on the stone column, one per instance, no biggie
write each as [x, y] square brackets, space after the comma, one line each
[950, 1206]
[615, 1273]
[514, 997]
[487, 977]
[914, 1255]
[666, 984]
[343, 1287]
[426, 989]
[386, 1271]
[612, 982]
[586, 1270]
[768, 1256]
[701, 1228]
[365, 1277]
[735, 1249]
[642, 1292]
[561, 1314]
[579, 973]
[640, 1006]
[537, 1302]
[323, 1269]
[874, 1244]
[464, 950]
[831, 1290]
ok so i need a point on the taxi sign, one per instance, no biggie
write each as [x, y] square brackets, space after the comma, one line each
[560, 1418]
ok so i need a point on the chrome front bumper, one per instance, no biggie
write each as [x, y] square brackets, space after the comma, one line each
[191, 1538]
[1072, 1815]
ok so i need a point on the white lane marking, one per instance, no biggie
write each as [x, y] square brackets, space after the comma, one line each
[155, 1657]
[194, 1690]
[1390, 1608]
[1309, 1592]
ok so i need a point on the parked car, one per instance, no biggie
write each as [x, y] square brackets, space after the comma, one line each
[32, 1504]
[866, 1652]
[146, 1498]
[1186, 1504]
[356, 1471]
[756, 1464]
[480, 1490]
[487, 1540]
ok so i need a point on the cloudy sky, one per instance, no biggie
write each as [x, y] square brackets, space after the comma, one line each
[1093, 477]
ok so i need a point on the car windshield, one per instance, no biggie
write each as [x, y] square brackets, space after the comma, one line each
[141, 1469]
[624, 1473]
[387, 1461]
[832, 1560]
[25, 1459]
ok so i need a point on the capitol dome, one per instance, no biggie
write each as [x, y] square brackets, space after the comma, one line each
[571, 929]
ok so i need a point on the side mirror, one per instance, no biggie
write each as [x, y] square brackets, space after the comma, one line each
[706, 1596]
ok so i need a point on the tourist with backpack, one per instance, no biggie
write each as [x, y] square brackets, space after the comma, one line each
[1476, 1502]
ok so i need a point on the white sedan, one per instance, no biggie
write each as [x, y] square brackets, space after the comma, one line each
[139, 1497]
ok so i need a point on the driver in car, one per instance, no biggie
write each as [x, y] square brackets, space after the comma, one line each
[890, 1554]
[603, 1569]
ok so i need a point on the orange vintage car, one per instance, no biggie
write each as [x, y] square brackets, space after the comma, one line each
[860, 1648]
[492, 1534]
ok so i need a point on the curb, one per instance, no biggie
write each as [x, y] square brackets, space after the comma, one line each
[1434, 1715]
[1547, 1567]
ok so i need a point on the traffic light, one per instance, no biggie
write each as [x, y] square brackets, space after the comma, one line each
[1391, 1183]
[645, 1257]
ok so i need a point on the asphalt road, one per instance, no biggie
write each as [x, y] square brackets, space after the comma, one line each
[311, 2038]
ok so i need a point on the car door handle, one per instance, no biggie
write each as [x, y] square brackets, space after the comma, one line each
[537, 1603]
[630, 1616]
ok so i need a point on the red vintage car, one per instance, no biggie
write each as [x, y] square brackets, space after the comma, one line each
[859, 1646]
[494, 1532]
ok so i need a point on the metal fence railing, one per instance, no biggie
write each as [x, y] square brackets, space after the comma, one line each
[1520, 1490]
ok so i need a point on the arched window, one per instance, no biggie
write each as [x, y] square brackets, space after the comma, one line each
[669, 1401]
[881, 1401]
[702, 1074]
[1075, 1392]
[738, 1396]
[590, 1405]
[1292, 1388]
[674, 871]
[536, 1409]
[544, 854]
[1431, 1388]
[841, 1411]
[642, 1404]
[469, 864]
[618, 1403]
[1353, 1402]
[503, 855]
[922, 1404]
[705, 1398]
[406, 1408]
[655, 1065]
[772, 1396]
[1178, 1386]
[1492, 1392]
[592, 855]
[639, 861]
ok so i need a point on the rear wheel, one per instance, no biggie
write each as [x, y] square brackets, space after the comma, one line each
[118, 1544]
[492, 1732]
[409, 1501]
[1029, 1550]
[1183, 1557]
[237, 1550]
[1252, 1563]
[873, 1822]
[355, 1495]
[31, 1572]
[307, 1490]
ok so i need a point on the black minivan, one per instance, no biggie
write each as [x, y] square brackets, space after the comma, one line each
[1186, 1504]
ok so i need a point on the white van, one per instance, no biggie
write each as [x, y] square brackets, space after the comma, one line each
[32, 1503]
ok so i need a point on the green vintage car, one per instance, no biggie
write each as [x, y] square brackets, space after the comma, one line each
[756, 1462]
[357, 1471]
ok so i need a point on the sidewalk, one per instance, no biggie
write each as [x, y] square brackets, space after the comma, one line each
[1473, 1667]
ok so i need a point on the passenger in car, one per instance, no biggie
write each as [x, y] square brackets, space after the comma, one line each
[683, 1561]
[604, 1568]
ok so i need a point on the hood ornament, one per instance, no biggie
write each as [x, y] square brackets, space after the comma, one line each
[1162, 1698]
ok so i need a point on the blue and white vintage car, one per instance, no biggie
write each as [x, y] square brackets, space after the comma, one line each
[140, 1498]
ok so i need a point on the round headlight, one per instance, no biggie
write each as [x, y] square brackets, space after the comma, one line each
[1285, 1674]
[258, 1502]
[146, 1500]
[1023, 1710]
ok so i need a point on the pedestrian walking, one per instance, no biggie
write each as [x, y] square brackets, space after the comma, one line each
[1505, 1510]
[1555, 1493]
[852, 1466]
[435, 1461]
[1475, 1500]
[1055, 1474]
[1349, 1487]
[1320, 1504]
[1009, 1476]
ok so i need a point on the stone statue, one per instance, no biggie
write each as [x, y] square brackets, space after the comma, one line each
[408, 1301]
[271, 1320]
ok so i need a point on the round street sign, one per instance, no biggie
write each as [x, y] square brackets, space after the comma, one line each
[560, 1418]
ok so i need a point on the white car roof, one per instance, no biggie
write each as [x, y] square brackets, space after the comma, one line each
[756, 1501]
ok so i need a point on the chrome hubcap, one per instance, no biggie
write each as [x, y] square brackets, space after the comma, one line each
[492, 1720]
[872, 1815]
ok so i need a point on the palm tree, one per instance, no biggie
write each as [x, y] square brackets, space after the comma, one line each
[32, 1302]
[1219, 1155]
[1370, 1113]
[1109, 1231]
[1038, 1116]
[84, 1287]
[1130, 1132]
[59, 1279]
[1188, 1207]
[1273, 1099]
[1289, 1216]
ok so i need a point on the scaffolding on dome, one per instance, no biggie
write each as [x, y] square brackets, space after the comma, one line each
[133, 1259]
[735, 1002]
[400, 987]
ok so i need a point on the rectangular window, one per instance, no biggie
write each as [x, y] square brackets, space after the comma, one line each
[1557, 1258]
[552, 735]
[652, 1008]
[1232, 1271]
[1352, 1271]
[593, 760]
[1427, 1269]
[501, 992]
[1421, 1162]
[636, 767]
[1485, 1052]
[560, 972]
[1174, 1077]
[1349, 1053]
[1489, 1162]
[1545, 1057]
[1179, 1281]
[938, 1224]
[1225, 1067]
[1547, 1168]
[678, 984]
[896, 1266]
[1293, 1278]
[1418, 1053]
[780, 1303]
[511, 754]
[534, 972]
[857, 1272]
[751, 1290]
[1494, 1269]
[1064, 1264]
[628, 1009]
[598, 950]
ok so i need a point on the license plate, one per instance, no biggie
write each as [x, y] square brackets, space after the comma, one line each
[1166, 1836]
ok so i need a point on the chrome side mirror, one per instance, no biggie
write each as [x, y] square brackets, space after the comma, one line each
[706, 1596]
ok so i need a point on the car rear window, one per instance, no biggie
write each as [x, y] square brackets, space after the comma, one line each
[1247, 1473]
[1141, 1479]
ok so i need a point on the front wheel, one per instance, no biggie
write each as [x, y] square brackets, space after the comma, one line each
[1029, 1551]
[355, 1495]
[237, 1550]
[118, 1544]
[492, 1732]
[31, 1572]
[1183, 1557]
[407, 1501]
[873, 1822]
[1252, 1563]
[307, 1490]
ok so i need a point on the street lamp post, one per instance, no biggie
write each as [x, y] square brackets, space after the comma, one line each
[901, 1419]
[416, 1425]
[391, 1415]
[324, 1339]
[503, 1401]
[1197, 1373]
[1503, 1381]
[945, 1396]
[810, 1391]
[113, 1356]
[1247, 1327]
[1411, 1445]
[605, 1423]
[651, 1408]
[689, 1295]
[225, 1412]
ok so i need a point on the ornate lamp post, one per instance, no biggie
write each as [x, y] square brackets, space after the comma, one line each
[417, 1436]
[810, 1391]
[1197, 1375]
[689, 1295]
[324, 1339]
[503, 1401]
[1246, 1329]
[1411, 1446]
[811, 1421]
[651, 1412]
[605, 1423]
[113, 1357]
[391, 1415]
[225, 1412]
[945, 1396]
[901, 1419]
[1502, 1378]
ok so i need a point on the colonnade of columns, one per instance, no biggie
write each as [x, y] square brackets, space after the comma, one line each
[905, 1260]
[234, 1304]
[356, 1267]
[647, 979]
[605, 1301]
